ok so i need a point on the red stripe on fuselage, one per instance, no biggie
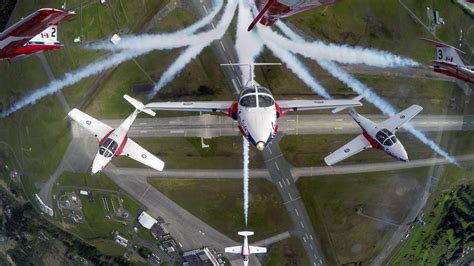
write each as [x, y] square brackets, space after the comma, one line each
[105, 137]
[376, 145]
[122, 146]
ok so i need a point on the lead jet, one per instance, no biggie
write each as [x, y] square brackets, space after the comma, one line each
[378, 136]
[448, 62]
[245, 249]
[255, 110]
[115, 142]
[35, 33]
[269, 11]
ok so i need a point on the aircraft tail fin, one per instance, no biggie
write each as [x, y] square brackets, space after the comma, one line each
[446, 53]
[337, 110]
[47, 37]
[245, 233]
[138, 105]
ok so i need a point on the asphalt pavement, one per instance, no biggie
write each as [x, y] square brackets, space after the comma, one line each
[209, 126]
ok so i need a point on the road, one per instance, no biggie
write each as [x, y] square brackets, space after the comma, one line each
[283, 180]
[209, 126]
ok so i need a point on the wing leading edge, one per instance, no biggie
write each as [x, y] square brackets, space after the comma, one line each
[222, 106]
[304, 105]
[139, 154]
[355, 146]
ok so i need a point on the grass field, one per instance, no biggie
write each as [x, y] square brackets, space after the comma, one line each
[219, 203]
[384, 25]
[332, 203]
[97, 225]
[177, 153]
[447, 231]
[286, 252]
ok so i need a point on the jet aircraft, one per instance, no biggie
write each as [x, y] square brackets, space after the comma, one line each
[448, 62]
[245, 249]
[256, 111]
[115, 142]
[272, 10]
[379, 136]
[35, 33]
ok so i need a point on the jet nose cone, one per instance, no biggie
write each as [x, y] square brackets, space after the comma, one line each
[95, 169]
[260, 145]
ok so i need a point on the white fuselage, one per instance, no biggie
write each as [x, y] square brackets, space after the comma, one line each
[112, 144]
[245, 251]
[380, 138]
[257, 116]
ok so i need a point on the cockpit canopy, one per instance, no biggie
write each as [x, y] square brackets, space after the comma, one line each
[256, 97]
[108, 148]
[386, 137]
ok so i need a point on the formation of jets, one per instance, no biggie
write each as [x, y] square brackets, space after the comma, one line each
[256, 111]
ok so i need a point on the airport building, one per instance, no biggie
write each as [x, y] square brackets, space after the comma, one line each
[146, 220]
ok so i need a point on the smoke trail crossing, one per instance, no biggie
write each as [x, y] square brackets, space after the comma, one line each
[191, 52]
[339, 53]
[246, 178]
[135, 41]
[248, 44]
[368, 94]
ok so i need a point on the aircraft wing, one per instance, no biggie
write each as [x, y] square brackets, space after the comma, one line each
[353, 147]
[222, 106]
[94, 126]
[304, 105]
[21, 32]
[138, 153]
[396, 121]
[256, 250]
[236, 249]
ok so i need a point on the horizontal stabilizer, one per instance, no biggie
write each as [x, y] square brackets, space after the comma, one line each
[245, 233]
[138, 105]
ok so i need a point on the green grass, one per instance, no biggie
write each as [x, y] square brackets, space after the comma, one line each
[177, 153]
[38, 136]
[109, 247]
[97, 225]
[383, 25]
[332, 202]
[286, 252]
[218, 202]
[447, 230]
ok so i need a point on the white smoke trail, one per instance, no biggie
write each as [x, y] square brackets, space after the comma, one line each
[70, 79]
[133, 42]
[380, 103]
[118, 58]
[174, 69]
[246, 178]
[298, 68]
[340, 53]
[368, 94]
[248, 44]
[191, 52]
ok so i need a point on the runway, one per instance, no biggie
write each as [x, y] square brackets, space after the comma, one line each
[210, 125]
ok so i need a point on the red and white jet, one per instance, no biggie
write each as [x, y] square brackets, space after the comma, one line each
[379, 136]
[272, 10]
[245, 250]
[115, 142]
[448, 62]
[256, 111]
[35, 33]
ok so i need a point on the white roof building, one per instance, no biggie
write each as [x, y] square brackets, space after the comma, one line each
[146, 220]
